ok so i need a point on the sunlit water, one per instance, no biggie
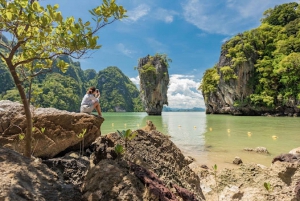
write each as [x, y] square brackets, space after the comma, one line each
[216, 139]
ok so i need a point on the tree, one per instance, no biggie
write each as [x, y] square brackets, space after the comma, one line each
[40, 35]
[281, 15]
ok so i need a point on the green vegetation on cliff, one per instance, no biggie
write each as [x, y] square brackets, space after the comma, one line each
[274, 49]
[118, 93]
[154, 81]
[65, 90]
[210, 81]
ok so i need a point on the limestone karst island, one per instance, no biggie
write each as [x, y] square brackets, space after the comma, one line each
[188, 101]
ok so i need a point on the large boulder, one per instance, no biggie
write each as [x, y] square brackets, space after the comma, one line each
[61, 129]
[151, 151]
[25, 179]
[289, 158]
[154, 81]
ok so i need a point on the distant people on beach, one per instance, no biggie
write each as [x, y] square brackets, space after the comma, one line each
[90, 101]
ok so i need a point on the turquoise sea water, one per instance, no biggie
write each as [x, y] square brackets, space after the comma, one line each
[216, 139]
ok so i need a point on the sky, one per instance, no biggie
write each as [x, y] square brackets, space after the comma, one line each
[190, 32]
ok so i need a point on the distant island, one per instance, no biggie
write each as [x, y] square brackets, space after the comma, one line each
[194, 109]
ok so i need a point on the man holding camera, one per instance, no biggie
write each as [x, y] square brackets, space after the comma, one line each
[90, 101]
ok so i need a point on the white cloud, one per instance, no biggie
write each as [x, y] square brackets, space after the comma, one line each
[137, 13]
[135, 80]
[122, 48]
[183, 93]
[226, 17]
[165, 15]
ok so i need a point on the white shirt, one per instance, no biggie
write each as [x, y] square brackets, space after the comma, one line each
[89, 99]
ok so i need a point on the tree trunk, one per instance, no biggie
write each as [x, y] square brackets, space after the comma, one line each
[28, 136]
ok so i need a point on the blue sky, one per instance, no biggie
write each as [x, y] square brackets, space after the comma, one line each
[190, 32]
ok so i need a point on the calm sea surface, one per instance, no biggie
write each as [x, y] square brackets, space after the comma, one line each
[216, 139]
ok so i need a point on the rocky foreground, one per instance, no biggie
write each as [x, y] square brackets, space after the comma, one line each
[150, 168]
[255, 182]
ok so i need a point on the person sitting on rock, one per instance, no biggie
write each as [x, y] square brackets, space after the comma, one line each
[90, 101]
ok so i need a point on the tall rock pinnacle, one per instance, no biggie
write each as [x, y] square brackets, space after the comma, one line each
[154, 81]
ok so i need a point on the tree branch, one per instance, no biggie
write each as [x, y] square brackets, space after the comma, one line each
[5, 46]
[42, 71]
[2, 55]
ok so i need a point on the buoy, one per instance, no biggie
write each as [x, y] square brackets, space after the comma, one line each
[228, 130]
[179, 126]
[195, 126]
[274, 137]
[138, 125]
[112, 124]
[125, 125]
[210, 129]
[249, 134]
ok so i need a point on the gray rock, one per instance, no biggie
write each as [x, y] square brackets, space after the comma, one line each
[151, 150]
[153, 84]
[237, 160]
[24, 179]
[289, 158]
[112, 180]
[61, 129]
[262, 150]
[70, 169]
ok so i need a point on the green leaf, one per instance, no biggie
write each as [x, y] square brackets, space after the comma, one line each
[9, 15]
[58, 17]
[63, 66]
[35, 6]
[98, 11]
[24, 3]
[267, 186]
[119, 149]
[74, 30]
[21, 136]
[56, 6]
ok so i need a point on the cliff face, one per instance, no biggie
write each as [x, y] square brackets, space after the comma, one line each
[232, 96]
[222, 101]
[154, 80]
[258, 71]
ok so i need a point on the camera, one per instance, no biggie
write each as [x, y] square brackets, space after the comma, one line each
[97, 90]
